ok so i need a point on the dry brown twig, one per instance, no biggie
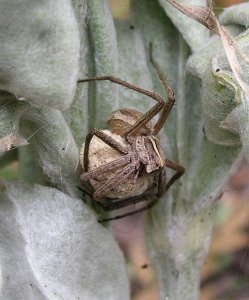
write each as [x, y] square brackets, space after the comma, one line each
[203, 15]
[206, 17]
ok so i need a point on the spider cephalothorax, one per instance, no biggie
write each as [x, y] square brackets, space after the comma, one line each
[144, 146]
[126, 165]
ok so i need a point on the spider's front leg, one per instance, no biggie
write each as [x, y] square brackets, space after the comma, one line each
[171, 97]
[147, 116]
[106, 139]
[105, 168]
[161, 105]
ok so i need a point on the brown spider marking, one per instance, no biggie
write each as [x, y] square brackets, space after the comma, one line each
[126, 165]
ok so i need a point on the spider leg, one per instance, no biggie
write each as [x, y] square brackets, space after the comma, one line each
[119, 177]
[147, 116]
[86, 188]
[105, 168]
[146, 207]
[162, 183]
[171, 97]
[179, 171]
[105, 138]
[112, 204]
[152, 198]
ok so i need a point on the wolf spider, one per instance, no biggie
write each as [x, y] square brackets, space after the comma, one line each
[143, 155]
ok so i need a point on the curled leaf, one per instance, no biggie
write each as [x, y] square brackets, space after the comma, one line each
[10, 111]
[48, 133]
[54, 146]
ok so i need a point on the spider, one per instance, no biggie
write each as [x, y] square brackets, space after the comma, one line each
[140, 153]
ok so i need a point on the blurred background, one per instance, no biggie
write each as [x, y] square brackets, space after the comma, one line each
[225, 274]
[120, 8]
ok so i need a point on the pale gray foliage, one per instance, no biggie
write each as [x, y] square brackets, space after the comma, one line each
[236, 15]
[41, 36]
[83, 259]
[51, 244]
[218, 95]
[194, 34]
[54, 145]
[77, 116]
[180, 227]
[52, 140]
[133, 68]
[52, 247]
[104, 48]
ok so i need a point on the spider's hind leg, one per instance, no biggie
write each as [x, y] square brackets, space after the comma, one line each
[171, 97]
[151, 201]
[86, 188]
